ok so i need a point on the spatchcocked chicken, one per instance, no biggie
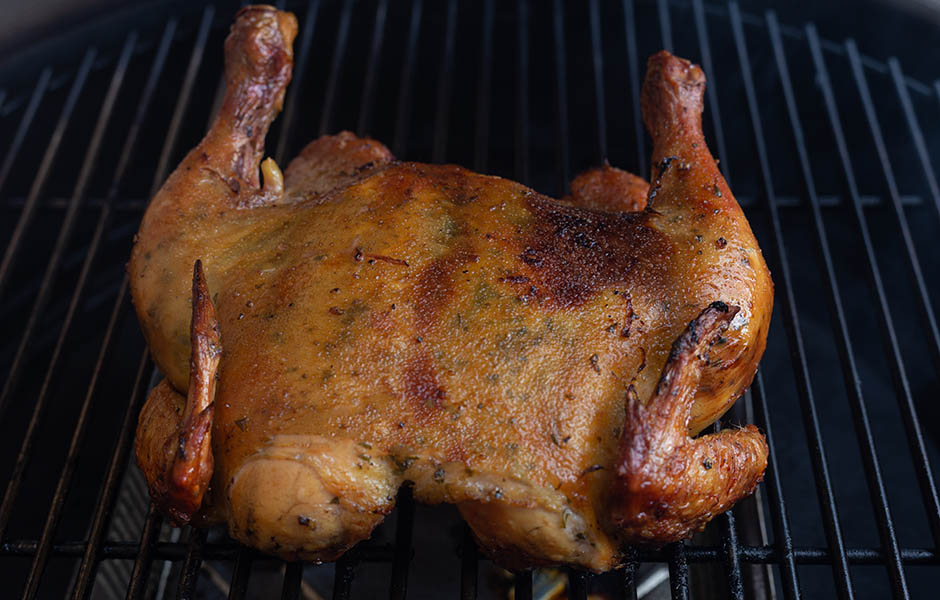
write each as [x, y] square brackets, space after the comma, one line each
[357, 323]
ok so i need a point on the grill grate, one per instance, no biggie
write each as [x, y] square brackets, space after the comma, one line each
[832, 163]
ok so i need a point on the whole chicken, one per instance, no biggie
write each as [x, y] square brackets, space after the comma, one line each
[357, 323]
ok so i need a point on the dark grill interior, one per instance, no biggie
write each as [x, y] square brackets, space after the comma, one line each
[830, 153]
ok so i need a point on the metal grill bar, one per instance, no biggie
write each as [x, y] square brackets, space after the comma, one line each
[730, 549]
[678, 571]
[342, 582]
[469, 564]
[444, 85]
[143, 554]
[299, 74]
[665, 27]
[578, 582]
[794, 336]
[404, 96]
[522, 108]
[629, 23]
[711, 90]
[913, 125]
[240, 575]
[39, 92]
[339, 51]
[367, 101]
[628, 576]
[778, 508]
[483, 89]
[403, 533]
[89, 564]
[843, 339]
[62, 488]
[561, 90]
[190, 572]
[23, 457]
[930, 321]
[523, 585]
[42, 174]
[186, 90]
[597, 59]
[68, 223]
[293, 577]
[902, 386]
[914, 261]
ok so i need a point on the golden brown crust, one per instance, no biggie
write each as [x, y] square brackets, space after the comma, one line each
[331, 162]
[608, 188]
[699, 212]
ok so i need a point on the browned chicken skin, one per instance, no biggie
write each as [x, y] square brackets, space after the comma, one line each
[539, 363]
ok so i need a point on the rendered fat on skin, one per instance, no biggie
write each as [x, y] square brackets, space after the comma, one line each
[539, 363]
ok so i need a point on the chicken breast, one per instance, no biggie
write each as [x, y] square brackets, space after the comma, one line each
[359, 323]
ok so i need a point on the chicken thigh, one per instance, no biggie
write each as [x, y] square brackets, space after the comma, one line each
[358, 324]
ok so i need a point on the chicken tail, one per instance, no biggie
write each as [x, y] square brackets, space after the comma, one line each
[668, 485]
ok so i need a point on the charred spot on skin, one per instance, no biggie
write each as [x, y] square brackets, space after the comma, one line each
[575, 253]
[594, 363]
[720, 243]
[629, 317]
[306, 522]
[707, 464]
[242, 423]
[531, 257]
[642, 362]
[403, 463]
[664, 165]
[716, 191]
[387, 259]
[357, 256]
[438, 475]
[591, 469]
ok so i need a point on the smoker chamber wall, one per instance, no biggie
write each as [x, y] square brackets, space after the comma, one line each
[830, 153]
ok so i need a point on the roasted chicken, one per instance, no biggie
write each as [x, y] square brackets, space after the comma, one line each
[359, 323]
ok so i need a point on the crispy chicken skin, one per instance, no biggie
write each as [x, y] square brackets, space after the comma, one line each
[539, 363]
